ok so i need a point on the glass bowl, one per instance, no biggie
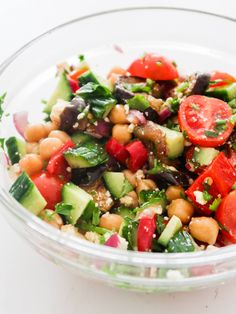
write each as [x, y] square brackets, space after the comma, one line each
[107, 39]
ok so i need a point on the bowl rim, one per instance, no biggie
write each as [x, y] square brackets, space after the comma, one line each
[96, 250]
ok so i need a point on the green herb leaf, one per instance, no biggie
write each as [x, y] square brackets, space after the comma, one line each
[233, 186]
[194, 107]
[174, 105]
[98, 97]
[2, 141]
[160, 225]
[232, 119]
[206, 196]
[2, 99]
[215, 204]
[157, 167]
[182, 87]
[210, 133]
[63, 209]
[81, 58]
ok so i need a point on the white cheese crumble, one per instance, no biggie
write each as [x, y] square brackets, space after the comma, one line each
[174, 274]
[92, 237]
[199, 197]
[126, 107]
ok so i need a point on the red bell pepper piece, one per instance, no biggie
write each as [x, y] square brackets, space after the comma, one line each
[117, 150]
[146, 230]
[138, 155]
[223, 177]
[57, 164]
[73, 84]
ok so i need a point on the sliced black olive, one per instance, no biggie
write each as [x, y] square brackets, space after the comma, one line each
[68, 118]
[122, 94]
[201, 84]
[151, 114]
[87, 176]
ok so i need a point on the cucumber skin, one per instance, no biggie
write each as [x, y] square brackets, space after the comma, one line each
[27, 194]
[16, 149]
[62, 91]
[225, 93]
[117, 184]
[173, 226]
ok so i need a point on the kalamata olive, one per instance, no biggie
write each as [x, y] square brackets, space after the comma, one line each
[122, 94]
[201, 84]
[69, 117]
[87, 176]
[165, 178]
[150, 114]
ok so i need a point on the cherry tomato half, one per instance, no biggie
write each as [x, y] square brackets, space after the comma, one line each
[49, 186]
[198, 117]
[221, 79]
[226, 215]
[155, 67]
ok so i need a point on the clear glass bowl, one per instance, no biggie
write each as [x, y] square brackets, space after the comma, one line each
[189, 37]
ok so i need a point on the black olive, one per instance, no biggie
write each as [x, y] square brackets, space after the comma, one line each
[151, 114]
[87, 176]
[201, 84]
[122, 94]
[165, 178]
[68, 118]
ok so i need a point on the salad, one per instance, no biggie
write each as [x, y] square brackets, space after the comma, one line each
[143, 160]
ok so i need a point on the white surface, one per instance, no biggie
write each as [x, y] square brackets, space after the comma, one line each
[30, 284]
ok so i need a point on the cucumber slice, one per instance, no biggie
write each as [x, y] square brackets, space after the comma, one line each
[181, 242]
[27, 194]
[80, 137]
[63, 91]
[78, 198]
[174, 142]
[117, 184]
[173, 226]
[225, 93]
[138, 102]
[129, 230]
[124, 212]
[89, 154]
[16, 149]
[204, 155]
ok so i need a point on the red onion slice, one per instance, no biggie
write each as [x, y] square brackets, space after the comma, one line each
[118, 48]
[137, 114]
[113, 241]
[20, 120]
[164, 114]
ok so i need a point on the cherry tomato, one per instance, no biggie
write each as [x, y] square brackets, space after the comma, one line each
[198, 116]
[154, 67]
[49, 186]
[221, 79]
[226, 215]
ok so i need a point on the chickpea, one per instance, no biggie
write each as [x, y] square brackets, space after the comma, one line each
[52, 218]
[35, 132]
[204, 229]
[50, 126]
[145, 184]
[48, 146]
[121, 133]
[173, 192]
[61, 135]
[155, 103]
[31, 164]
[131, 177]
[111, 221]
[118, 115]
[182, 209]
[117, 71]
[32, 148]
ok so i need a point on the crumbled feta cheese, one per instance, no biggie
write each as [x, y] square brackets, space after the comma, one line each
[92, 237]
[212, 248]
[139, 175]
[81, 116]
[107, 119]
[123, 245]
[199, 197]
[126, 107]
[76, 125]
[68, 169]
[131, 128]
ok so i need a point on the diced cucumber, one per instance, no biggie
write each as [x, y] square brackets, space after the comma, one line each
[181, 242]
[174, 142]
[138, 102]
[225, 93]
[63, 91]
[78, 198]
[88, 154]
[80, 137]
[173, 226]
[88, 77]
[117, 184]
[204, 155]
[16, 149]
[27, 194]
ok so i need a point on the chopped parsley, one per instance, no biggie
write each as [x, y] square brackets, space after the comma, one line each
[210, 133]
[174, 105]
[63, 209]
[215, 204]
[206, 196]
[2, 140]
[2, 99]
[194, 107]
[232, 119]
[233, 186]
[182, 87]
[81, 58]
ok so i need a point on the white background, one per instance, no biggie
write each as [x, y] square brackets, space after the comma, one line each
[29, 284]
